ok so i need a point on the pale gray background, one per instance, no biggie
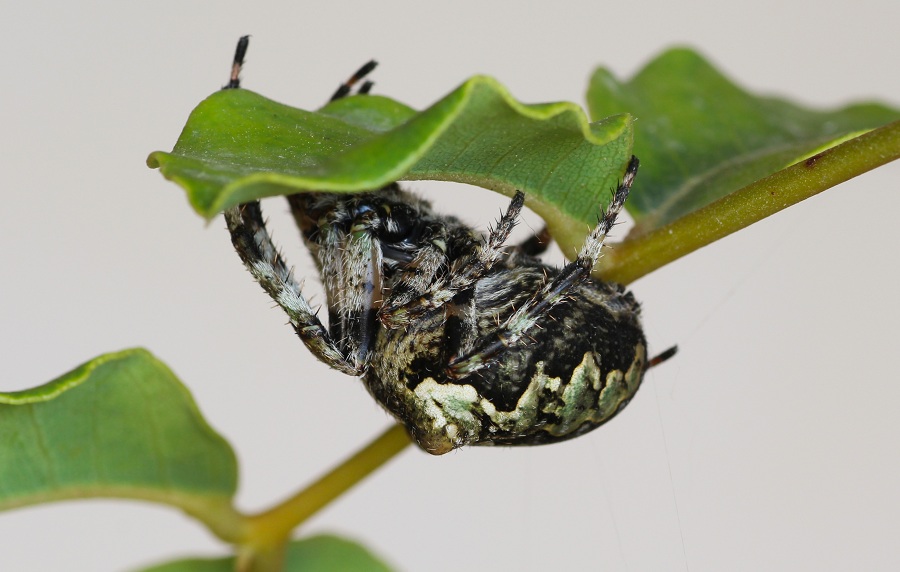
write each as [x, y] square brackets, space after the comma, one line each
[769, 443]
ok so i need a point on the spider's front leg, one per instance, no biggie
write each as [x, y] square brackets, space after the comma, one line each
[464, 272]
[551, 294]
[346, 235]
[351, 263]
[254, 245]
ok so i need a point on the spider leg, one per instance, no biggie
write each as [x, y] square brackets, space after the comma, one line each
[234, 81]
[553, 293]
[426, 267]
[352, 265]
[465, 271]
[343, 90]
[261, 257]
[536, 244]
[351, 309]
[663, 357]
[343, 237]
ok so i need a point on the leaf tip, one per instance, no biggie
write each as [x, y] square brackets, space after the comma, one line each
[153, 159]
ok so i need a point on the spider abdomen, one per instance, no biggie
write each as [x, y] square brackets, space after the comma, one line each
[569, 376]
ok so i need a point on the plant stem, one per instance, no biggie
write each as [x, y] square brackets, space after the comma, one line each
[261, 559]
[632, 259]
[273, 527]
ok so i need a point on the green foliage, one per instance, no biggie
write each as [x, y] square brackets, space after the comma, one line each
[123, 426]
[238, 146]
[700, 137]
[323, 553]
[120, 425]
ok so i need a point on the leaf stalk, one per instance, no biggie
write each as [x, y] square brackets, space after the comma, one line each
[633, 258]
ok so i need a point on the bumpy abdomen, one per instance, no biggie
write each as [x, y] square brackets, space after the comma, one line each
[572, 372]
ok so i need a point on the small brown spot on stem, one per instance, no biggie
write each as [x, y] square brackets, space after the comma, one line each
[811, 162]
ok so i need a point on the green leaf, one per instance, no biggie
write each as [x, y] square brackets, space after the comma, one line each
[639, 255]
[238, 146]
[322, 553]
[120, 425]
[700, 137]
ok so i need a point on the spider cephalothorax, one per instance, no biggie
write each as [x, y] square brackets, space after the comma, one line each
[464, 341]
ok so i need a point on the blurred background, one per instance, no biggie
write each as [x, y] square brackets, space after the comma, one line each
[768, 443]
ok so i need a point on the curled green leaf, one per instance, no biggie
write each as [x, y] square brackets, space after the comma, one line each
[238, 146]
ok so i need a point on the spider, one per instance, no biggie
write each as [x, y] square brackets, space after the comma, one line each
[461, 340]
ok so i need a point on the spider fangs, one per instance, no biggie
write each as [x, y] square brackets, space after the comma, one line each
[465, 343]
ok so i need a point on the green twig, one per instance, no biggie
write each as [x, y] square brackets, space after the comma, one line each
[266, 532]
[632, 259]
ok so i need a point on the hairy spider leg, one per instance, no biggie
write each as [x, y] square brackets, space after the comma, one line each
[344, 89]
[553, 292]
[254, 245]
[352, 269]
[464, 273]
[420, 279]
[234, 82]
[426, 267]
